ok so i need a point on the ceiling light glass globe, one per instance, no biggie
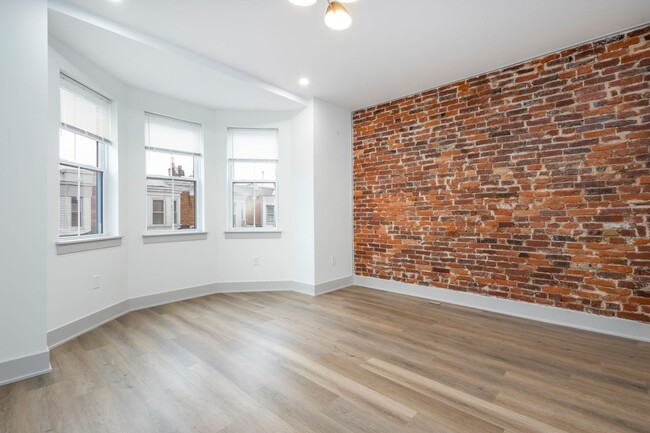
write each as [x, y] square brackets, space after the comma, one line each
[337, 16]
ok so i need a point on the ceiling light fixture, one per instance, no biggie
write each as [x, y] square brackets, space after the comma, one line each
[337, 16]
[304, 82]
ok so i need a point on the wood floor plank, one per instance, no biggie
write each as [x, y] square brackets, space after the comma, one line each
[352, 361]
[474, 405]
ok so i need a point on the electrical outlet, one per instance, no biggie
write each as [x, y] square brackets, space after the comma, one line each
[96, 281]
[256, 261]
[333, 260]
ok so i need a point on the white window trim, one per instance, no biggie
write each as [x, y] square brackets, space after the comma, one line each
[256, 234]
[175, 236]
[86, 243]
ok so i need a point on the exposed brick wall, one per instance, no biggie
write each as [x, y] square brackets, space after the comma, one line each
[531, 183]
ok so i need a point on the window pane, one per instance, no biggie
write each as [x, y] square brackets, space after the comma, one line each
[243, 170]
[68, 189]
[182, 165]
[158, 163]
[185, 210]
[89, 202]
[266, 194]
[173, 205]
[66, 145]
[169, 164]
[265, 171]
[85, 151]
[243, 205]
[252, 203]
[78, 149]
[254, 170]
[79, 201]
[159, 193]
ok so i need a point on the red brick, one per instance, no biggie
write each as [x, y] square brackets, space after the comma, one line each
[533, 186]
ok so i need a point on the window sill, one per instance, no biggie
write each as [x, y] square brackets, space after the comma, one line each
[77, 245]
[184, 236]
[251, 234]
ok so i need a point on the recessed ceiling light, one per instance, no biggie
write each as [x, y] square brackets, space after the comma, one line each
[303, 82]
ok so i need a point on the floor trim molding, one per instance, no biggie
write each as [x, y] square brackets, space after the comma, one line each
[331, 286]
[156, 299]
[87, 323]
[25, 367]
[541, 313]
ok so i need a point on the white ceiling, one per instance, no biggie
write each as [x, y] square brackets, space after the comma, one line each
[393, 48]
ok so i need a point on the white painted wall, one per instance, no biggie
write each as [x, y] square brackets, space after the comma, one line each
[235, 256]
[23, 112]
[332, 192]
[162, 267]
[302, 189]
[70, 293]
[137, 269]
[155, 268]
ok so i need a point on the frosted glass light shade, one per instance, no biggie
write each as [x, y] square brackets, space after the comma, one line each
[337, 16]
[303, 2]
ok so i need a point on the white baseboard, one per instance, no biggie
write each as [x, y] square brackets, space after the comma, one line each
[321, 288]
[25, 367]
[209, 289]
[78, 327]
[304, 288]
[331, 286]
[541, 313]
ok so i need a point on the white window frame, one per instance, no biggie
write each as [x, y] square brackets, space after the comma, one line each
[102, 144]
[197, 181]
[231, 182]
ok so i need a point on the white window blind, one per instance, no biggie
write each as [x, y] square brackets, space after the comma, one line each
[167, 134]
[84, 111]
[254, 144]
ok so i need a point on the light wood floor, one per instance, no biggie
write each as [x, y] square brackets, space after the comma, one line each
[355, 360]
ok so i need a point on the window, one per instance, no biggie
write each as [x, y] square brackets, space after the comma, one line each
[158, 212]
[253, 156]
[173, 154]
[84, 135]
